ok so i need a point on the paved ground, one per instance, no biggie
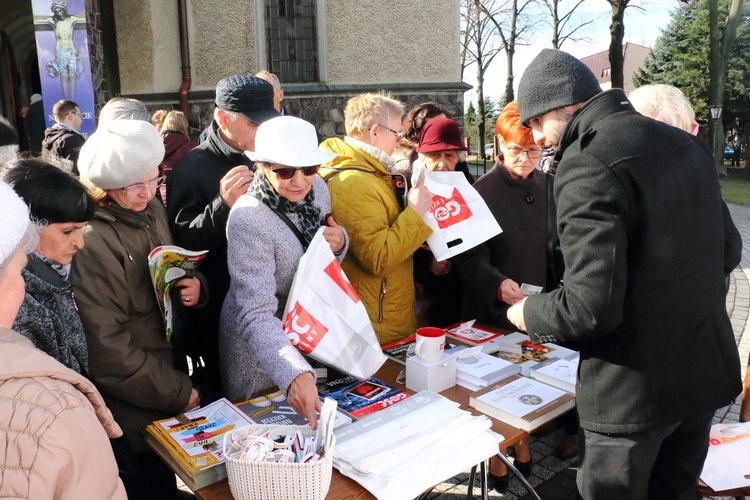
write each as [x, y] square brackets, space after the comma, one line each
[554, 479]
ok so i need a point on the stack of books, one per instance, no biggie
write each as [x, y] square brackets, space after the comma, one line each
[560, 373]
[476, 369]
[522, 402]
[191, 443]
[531, 355]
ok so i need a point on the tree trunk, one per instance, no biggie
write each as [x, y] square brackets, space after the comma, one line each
[480, 108]
[555, 26]
[617, 33]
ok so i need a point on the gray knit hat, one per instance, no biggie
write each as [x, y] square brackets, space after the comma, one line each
[553, 80]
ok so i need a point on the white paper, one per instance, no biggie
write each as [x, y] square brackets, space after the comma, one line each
[527, 289]
[727, 464]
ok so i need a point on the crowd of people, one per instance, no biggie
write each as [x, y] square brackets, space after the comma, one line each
[621, 230]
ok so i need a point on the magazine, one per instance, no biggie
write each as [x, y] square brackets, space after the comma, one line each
[273, 409]
[359, 398]
[531, 354]
[168, 264]
[471, 334]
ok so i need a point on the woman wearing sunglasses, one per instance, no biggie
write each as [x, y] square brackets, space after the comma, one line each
[268, 231]
[130, 359]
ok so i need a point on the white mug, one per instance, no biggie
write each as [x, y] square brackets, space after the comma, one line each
[430, 344]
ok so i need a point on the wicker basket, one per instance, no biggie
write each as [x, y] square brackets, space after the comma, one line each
[279, 481]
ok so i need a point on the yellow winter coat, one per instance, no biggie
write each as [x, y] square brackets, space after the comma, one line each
[382, 238]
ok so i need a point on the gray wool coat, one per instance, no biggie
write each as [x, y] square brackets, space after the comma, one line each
[49, 317]
[263, 254]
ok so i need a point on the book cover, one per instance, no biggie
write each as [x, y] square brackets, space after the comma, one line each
[481, 369]
[397, 350]
[168, 264]
[474, 335]
[531, 354]
[194, 480]
[274, 409]
[522, 402]
[560, 373]
[359, 398]
[195, 437]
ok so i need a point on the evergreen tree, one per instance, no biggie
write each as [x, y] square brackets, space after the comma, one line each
[680, 58]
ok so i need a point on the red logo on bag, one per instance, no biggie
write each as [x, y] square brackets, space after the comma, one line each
[449, 211]
[337, 275]
[304, 331]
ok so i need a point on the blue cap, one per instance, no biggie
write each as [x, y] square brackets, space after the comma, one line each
[249, 95]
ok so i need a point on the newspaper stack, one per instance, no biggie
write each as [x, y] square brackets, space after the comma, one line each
[413, 445]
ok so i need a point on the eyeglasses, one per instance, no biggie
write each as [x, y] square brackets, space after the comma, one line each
[287, 173]
[152, 185]
[532, 153]
[389, 129]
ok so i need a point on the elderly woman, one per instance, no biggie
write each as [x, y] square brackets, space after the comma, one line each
[130, 358]
[48, 316]
[500, 271]
[63, 423]
[439, 291]
[268, 231]
[414, 122]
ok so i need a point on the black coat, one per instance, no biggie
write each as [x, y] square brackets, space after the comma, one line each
[61, 142]
[198, 220]
[518, 253]
[647, 243]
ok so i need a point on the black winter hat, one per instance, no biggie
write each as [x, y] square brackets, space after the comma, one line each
[249, 95]
[553, 80]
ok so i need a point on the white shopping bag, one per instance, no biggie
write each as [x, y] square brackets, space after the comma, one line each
[325, 319]
[458, 216]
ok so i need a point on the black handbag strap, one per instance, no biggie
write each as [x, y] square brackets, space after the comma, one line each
[291, 225]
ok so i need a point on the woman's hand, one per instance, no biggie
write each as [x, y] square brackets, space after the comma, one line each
[510, 292]
[303, 396]
[190, 291]
[333, 235]
[440, 267]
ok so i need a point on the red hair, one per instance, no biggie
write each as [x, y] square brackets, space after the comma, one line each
[508, 126]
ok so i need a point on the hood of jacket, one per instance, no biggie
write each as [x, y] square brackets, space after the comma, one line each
[54, 133]
[175, 141]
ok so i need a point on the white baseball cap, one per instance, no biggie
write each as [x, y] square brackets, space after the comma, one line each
[288, 141]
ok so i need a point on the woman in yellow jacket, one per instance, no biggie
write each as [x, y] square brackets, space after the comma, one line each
[384, 231]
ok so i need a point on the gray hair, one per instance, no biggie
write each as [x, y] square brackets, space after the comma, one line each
[122, 108]
[231, 115]
[664, 103]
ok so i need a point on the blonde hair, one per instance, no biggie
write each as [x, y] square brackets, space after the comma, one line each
[366, 110]
[175, 121]
[664, 103]
[157, 118]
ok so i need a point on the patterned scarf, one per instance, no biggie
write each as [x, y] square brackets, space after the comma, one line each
[307, 214]
[62, 270]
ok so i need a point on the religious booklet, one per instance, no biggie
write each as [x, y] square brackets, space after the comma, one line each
[168, 264]
[476, 369]
[191, 442]
[522, 402]
[398, 350]
[273, 409]
[359, 398]
[531, 354]
[561, 373]
[472, 334]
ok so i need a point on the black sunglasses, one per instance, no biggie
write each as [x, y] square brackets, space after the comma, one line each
[287, 173]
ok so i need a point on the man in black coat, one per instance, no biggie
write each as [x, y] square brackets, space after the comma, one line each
[62, 139]
[203, 187]
[647, 247]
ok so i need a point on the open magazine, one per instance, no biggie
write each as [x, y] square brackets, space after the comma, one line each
[168, 264]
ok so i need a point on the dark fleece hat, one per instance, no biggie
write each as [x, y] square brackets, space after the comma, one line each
[440, 134]
[553, 80]
[249, 95]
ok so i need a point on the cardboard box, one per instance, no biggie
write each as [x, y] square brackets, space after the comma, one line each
[436, 377]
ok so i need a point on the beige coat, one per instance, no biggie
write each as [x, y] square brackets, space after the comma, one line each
[54, 429]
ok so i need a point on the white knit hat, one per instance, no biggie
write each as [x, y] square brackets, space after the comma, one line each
[14, 221]
[120, 153]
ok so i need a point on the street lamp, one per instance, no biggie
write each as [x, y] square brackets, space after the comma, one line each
[715, 110]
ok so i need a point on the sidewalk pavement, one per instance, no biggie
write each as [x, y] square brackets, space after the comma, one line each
[554, 479]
